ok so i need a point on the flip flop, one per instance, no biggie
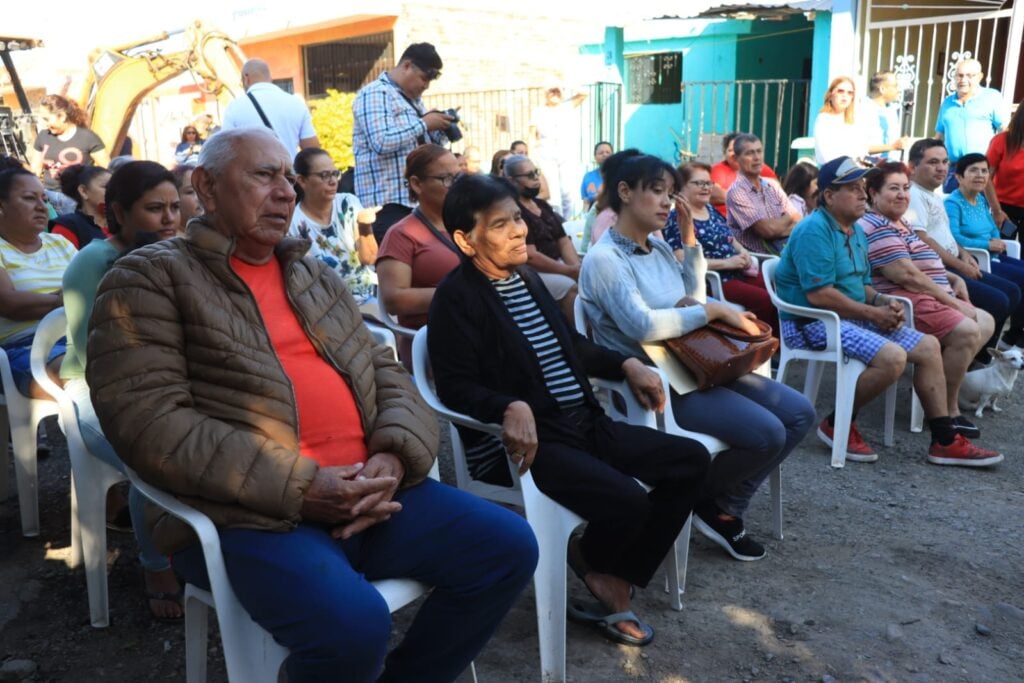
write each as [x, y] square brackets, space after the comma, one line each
[177, 596]
[595, 615]
[578, 564]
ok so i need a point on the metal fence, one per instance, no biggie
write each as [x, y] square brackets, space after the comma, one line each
[492, 119]
[774, 110]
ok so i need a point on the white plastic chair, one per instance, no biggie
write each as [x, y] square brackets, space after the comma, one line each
[22, 416]
[847, 369]
[574, 230]
[250, 653]
[382, 335]
[91, 477]
[552, 524]
[985, 258]
[391, 321]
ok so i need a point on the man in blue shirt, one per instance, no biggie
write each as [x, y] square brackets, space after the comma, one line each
[825, 265]
[969, 118]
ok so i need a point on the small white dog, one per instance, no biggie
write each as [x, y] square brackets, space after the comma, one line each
[981, 388]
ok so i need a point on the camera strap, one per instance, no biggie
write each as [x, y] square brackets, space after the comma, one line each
[422, 139]
[443, 239]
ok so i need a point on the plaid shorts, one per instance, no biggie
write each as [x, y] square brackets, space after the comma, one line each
[860, 339]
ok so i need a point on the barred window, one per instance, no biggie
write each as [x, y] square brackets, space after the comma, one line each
[347, 65]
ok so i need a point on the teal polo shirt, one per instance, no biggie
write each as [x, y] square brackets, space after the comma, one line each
[819, 254]
[969, 126]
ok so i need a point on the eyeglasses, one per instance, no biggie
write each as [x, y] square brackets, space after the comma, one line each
[446, 180]
[703, 184]
[326, 176]
[532, 175]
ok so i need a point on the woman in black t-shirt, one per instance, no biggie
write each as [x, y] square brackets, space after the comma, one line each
[66, 141]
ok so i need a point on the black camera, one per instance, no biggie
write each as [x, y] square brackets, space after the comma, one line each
[452, 131]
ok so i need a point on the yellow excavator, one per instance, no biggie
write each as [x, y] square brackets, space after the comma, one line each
[119, 77]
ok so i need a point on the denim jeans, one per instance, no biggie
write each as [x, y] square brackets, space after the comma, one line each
[150, 558]
[313, 593]
[761, 420]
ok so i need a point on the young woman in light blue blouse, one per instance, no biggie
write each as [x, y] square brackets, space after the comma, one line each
[633, 290]
[971, 221]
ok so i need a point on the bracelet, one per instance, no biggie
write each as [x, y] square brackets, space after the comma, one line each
[874, 299]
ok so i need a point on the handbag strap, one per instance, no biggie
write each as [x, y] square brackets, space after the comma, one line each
[446, 241]
[259, 110]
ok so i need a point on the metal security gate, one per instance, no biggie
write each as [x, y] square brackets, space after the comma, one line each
[923, 52]
[492, 119]
[773, 110]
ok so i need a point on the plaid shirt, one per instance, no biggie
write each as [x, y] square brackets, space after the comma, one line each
[386, 128]
[747, 206]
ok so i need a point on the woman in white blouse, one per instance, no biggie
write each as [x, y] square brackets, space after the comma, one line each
[836, 130]
[337, 224]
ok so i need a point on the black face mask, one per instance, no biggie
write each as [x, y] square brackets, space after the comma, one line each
[530, 192]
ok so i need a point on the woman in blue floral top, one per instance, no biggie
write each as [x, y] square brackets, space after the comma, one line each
[741, 281]
[337, 224]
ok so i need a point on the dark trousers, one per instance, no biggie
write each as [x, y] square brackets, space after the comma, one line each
[1015, 214]
[388, 215]
[313, 593]
[589, 466]
[1001, 298]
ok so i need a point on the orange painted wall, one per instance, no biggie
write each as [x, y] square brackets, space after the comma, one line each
[283, 51]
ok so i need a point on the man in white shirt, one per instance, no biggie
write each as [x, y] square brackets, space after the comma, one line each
[266, 105]
[882, 117]
[926, 215]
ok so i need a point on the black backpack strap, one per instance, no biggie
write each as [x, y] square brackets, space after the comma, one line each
[259, 110]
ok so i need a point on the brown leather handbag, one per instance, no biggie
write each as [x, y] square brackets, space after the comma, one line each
[717, 353]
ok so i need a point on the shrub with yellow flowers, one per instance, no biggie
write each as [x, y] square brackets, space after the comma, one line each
[332, 119]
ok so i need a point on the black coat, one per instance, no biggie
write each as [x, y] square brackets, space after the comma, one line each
[482, 362]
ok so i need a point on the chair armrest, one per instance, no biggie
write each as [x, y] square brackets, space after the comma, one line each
[908, 309]
[715, 285]
[635, 413]
[984, 258]
[51, 328]
[1012, 248]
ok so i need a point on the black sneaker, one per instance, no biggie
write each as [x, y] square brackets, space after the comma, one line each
[729, 534]
[966, 428]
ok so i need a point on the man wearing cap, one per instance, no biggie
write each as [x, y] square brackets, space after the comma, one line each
[825, 265]
[390, 120]
[266, 105]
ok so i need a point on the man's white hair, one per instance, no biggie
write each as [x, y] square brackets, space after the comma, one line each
[221, 149]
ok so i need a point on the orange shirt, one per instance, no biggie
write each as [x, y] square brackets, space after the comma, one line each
[330, 427]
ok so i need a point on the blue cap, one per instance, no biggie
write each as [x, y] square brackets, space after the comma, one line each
[840, 171]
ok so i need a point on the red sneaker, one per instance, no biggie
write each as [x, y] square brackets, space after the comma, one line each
[962, 452]
[857, 449]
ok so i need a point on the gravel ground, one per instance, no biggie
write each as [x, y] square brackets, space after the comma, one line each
[894, 571]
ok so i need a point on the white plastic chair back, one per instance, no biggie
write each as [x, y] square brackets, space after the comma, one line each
[847, 369]
[91, 477]
[391, 321]
[985, 258]
[382, 335]
[23, 416]
[250, 652]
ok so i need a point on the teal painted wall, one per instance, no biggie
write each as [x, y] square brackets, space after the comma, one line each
[819, 73]
[713, 51]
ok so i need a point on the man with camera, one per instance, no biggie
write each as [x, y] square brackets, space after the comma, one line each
[390, 122]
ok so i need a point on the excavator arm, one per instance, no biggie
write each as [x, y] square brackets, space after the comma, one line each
[118, 80]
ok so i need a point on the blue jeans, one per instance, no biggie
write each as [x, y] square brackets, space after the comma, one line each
[761, 420]
[313, 593]
[19, 354]
[150, 558]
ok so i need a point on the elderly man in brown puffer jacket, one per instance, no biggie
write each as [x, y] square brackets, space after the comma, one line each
[235, 372]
